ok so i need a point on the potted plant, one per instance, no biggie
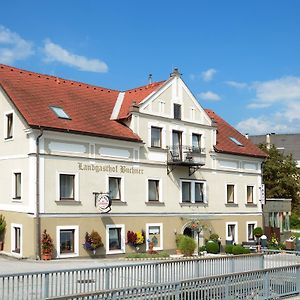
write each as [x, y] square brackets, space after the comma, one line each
[2, 230]
[135, 239]
[93, 241]
[47, 246]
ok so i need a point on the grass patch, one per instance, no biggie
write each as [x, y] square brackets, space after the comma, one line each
[147, 255]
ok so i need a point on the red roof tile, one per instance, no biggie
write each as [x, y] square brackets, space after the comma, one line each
[137, 95]
[89, 107]
[225, 145]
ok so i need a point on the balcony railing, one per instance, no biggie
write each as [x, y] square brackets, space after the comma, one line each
[192, 157]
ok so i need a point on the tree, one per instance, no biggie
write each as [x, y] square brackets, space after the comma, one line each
[281, 176]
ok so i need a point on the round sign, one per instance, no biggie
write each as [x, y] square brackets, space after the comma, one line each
[103, 203]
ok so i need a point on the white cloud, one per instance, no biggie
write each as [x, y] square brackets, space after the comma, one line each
[283, 90]
[236, 84]
[208, 74]
[262, 125]
[56, 53]
[209, 96]
[13, 47]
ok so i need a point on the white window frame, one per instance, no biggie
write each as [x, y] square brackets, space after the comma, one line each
[254, 194]
[112, 226]
[76, 185]
[160, 197]
[13, 186]
[193, 183]
[76, 241]
[234, 193]
[235, 231]
[5, 123]
[163, 134]
[160, 139]
[122, 179]
[148, 225]
[162, 107]
[12, 239]
[247, 231]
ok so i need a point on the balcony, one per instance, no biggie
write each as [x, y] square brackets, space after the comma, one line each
[191, 157]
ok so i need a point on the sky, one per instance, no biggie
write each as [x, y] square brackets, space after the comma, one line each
[239, 58]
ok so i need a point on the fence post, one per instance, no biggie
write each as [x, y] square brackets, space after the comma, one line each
[107, 285]
[227, 288]
[298, 280]
[156, 273]
[46, 290]
[262, 261]
[266, 285]
[177, 291]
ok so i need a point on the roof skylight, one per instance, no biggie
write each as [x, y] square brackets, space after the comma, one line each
[60, 112]
[236, 141]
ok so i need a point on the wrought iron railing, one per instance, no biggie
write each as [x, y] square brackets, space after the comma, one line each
[183, 153]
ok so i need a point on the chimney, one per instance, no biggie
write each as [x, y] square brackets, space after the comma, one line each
[150, 78]
[268, 141]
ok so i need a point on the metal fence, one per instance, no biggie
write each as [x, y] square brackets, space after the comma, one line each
[280, 258]
[40, 285]
[262, 284]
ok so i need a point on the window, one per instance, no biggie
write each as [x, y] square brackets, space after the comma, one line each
[67, 241]
[234, 140]
[249, 194]
[60, 112]
[115, 239]
[177, 111]
[66, 187]
[154, 233]
[230, 193]
[176, 150]
[153, 190]
[186, 191]
[192, 192]
[9, 126]
[231, 232]
[115, 188]
[196, 142]
[156, 137]
[16, 239]
[250, 229]
[17, 189]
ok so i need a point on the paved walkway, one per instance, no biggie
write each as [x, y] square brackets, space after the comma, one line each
[13, 265]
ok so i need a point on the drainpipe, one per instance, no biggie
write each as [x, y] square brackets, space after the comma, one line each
[38, 219]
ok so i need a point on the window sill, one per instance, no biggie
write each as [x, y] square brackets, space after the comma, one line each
[193, 204]
[121, 251]
[118, 203]
[68, 202]
[18, 200]
[251, 205]
[154, 203]
[159, 149]
[8, 139]
[231, 205]
[67, 255]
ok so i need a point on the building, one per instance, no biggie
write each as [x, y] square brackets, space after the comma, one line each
[163, 160]
[285, 143]
[276, 213]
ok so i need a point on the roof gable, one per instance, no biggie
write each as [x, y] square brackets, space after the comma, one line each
[230, 141]
[89, 107]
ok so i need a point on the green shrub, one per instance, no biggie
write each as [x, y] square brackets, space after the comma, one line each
[294, 221]
[202, 248]
[239, 249]
[147, 255]
[177, 239]
[228, 249]
[214, 237]
[258, 232]
[2, 226]
[186, 245]
[212, 247]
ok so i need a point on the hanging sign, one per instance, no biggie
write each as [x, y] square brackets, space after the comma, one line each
[262, 194]
[102, 202]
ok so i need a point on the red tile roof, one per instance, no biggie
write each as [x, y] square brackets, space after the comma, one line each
[137, 95]
[89, 107]
[225, 145]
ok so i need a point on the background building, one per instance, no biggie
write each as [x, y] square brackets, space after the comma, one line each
[165, 162]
